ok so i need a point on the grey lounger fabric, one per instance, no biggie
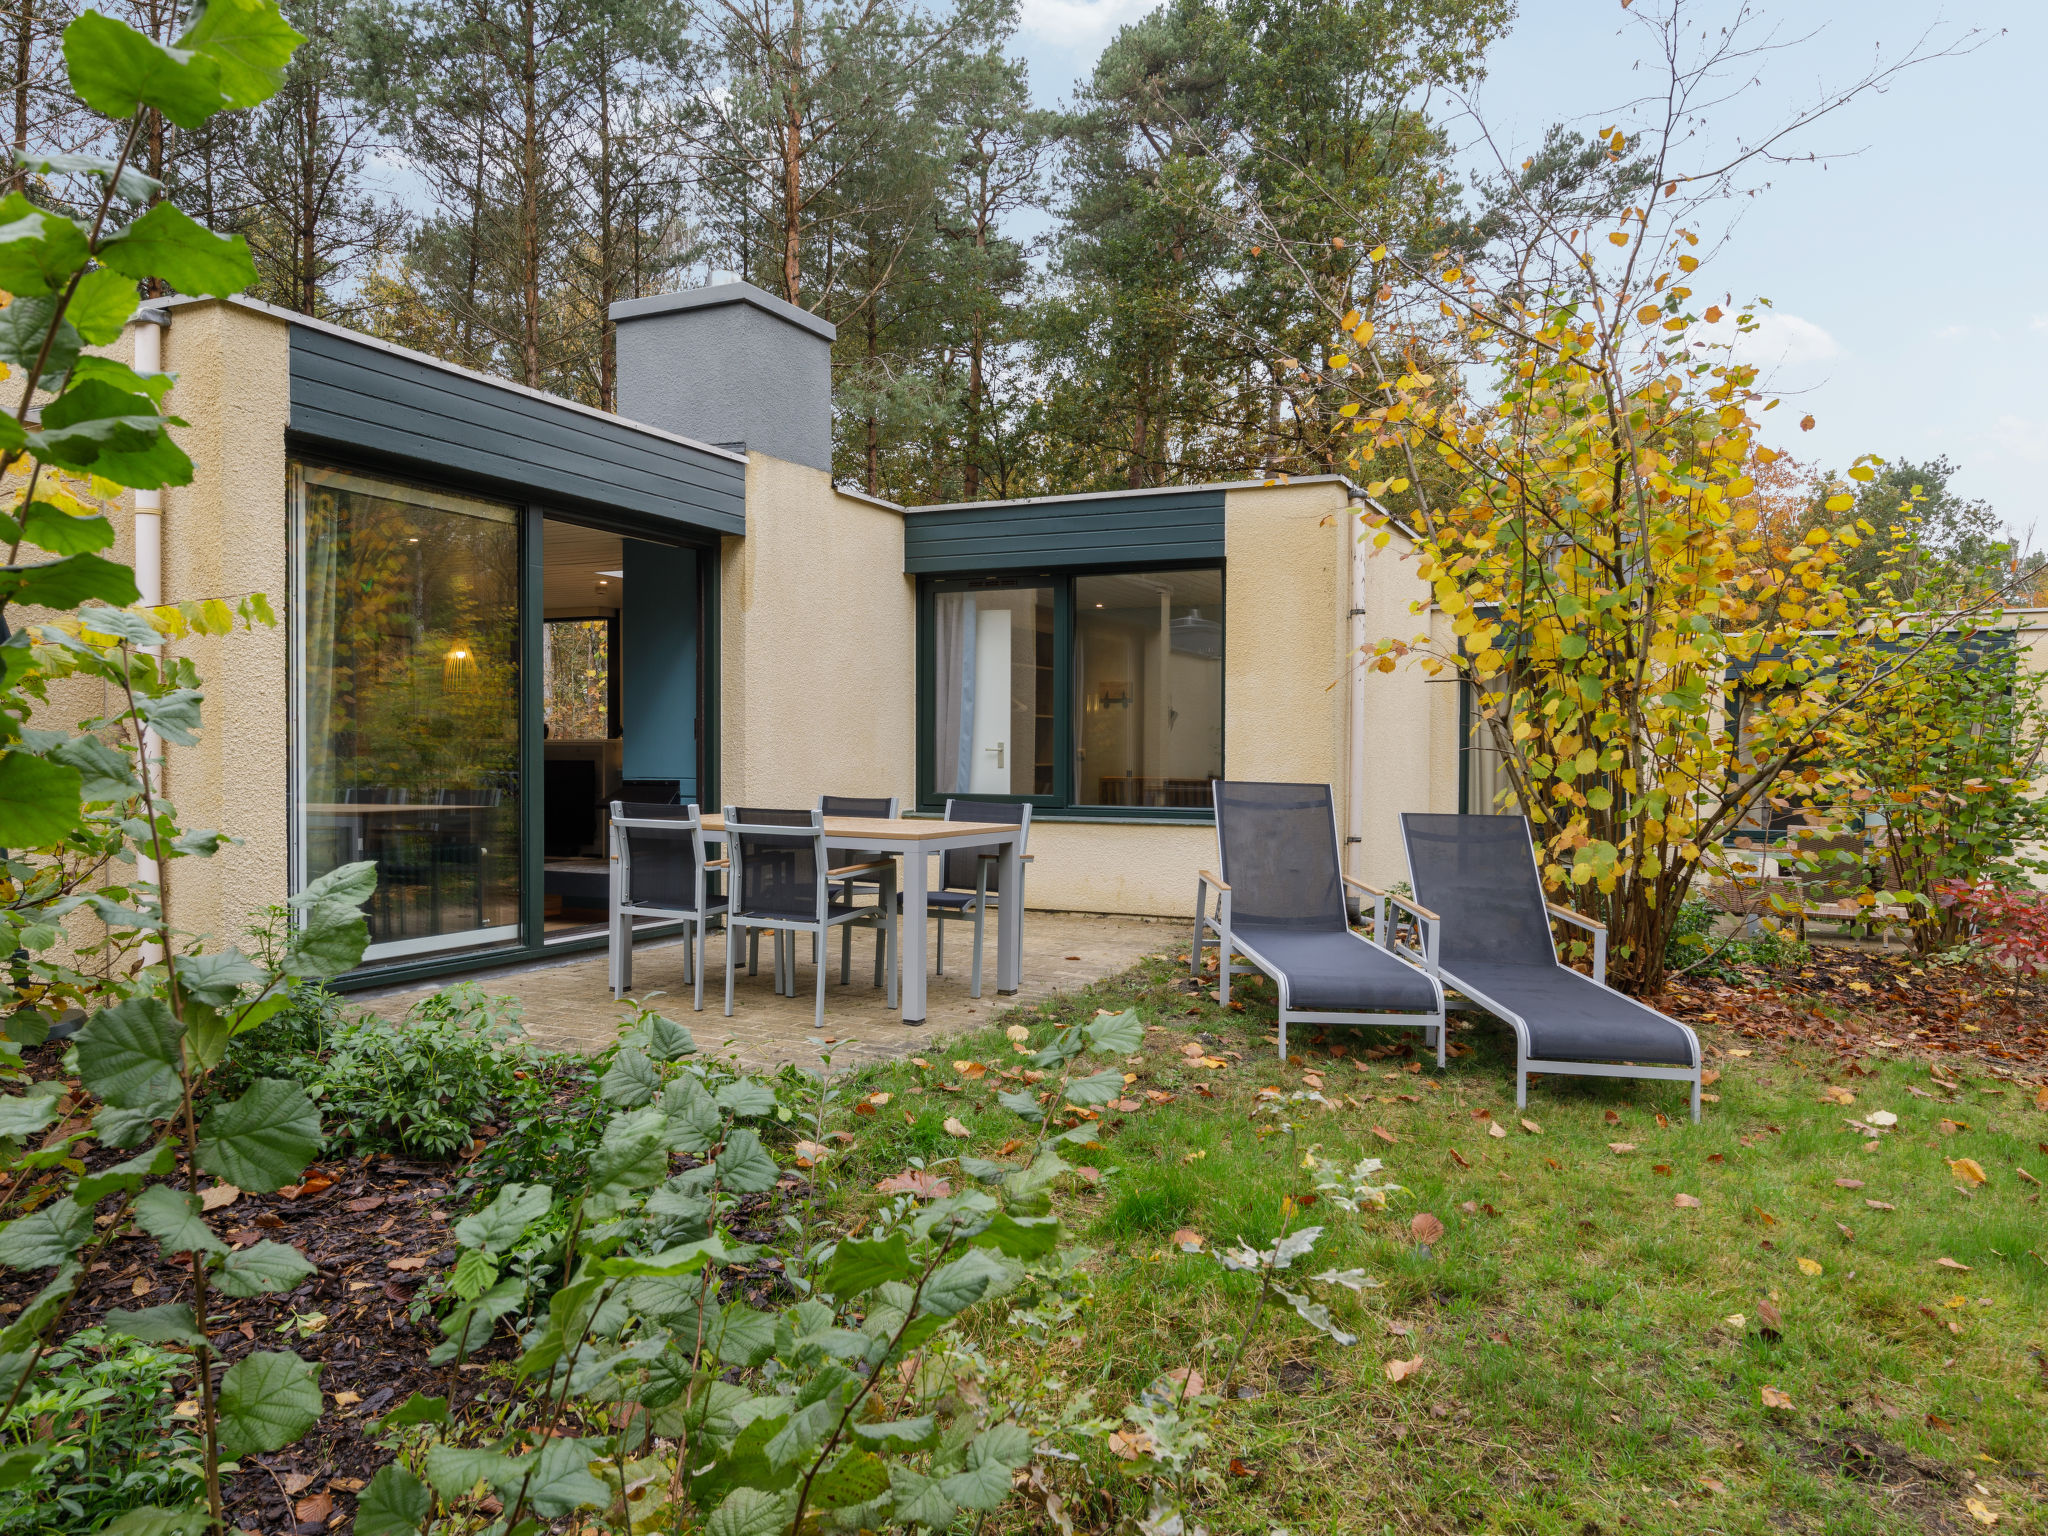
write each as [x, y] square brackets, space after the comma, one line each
[1478, 873]
[1281, 906]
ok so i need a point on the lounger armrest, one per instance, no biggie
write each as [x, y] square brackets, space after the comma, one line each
[848, 871]
[1567, 915]
[1360, 885]
[1215, 880]
[718, 863]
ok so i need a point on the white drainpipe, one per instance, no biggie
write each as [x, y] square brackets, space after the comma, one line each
[1354, 843]
[149, 328]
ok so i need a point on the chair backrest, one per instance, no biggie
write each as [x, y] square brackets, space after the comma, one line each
[960, 868]
[1278, 847]
[485, 797]
[882, 807]
[1478, 873]
[778, 861]
[661, 845]
[373, 796]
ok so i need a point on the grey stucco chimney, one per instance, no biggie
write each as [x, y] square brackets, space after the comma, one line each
[731, 365]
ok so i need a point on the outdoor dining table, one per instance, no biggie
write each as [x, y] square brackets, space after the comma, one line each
[916, 840]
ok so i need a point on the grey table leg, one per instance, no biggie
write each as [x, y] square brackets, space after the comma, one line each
[1010, 922]
[915, 876]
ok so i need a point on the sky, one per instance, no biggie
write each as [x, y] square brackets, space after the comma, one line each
[1907, 271]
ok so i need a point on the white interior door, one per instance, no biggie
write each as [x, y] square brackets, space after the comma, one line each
[990, 770]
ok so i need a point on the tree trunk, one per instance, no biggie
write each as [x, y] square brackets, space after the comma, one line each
[529, 198]
[309, 203]
[24, 60]
[874, 443]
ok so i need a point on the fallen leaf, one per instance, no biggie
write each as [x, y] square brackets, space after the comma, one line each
[878, 1099]
[1880, 1205]
[1981, 1512]
[1709, 1077]
[1187, 1376]
[1460, 1161]
[316, 1509]
[1848, 1183]
[1948, 1263]
[1532, 1127]
[367, 1203]
[350, 1484]
[1470, 1207]
[295, 1483]
[1129, 1446]
[1882, 1117]
[918, 1182]
[1713, 1485]
[954, 1128]
[1967, 1168]
[1188, 1240]
[1662, 1123]
[1494, 1128]
[1238, 1468]
[418, 1262]
[1425, 1228]
[2016, 1168]
[1613, 1118]
[1385, 1135]
[1835, 1093]
[2041, 1097]
[1088, 1175]
[1018, 1033]
[347, 1399]
[1662, 1169]
[220, 1195]
[1621, 1147]
[314, 1183]
[1768, 1314]
[1845, 1231]
[1401, 1370]
[1774, 1398]
[1810, 1266]
[1685, 1202]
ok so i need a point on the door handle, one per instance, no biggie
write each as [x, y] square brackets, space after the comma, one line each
[998, 750]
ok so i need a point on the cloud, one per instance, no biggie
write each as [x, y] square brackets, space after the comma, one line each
[1078, 25]
[1785, 341]
[2019, 438]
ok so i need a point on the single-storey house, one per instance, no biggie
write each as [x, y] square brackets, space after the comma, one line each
[501, 610]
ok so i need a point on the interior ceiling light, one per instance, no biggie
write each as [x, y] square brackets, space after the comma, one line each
[620, 574]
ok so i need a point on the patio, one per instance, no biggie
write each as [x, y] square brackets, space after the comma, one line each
[567, 1003]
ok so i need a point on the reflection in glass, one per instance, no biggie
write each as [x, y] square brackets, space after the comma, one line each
[992, 725]
[576, 670]
[408, 722]
[1148, 688]
[1489, 790]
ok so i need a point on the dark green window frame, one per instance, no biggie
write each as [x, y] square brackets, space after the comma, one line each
[1059, 805]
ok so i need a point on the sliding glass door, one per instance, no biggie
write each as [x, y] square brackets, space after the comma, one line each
[407, 682]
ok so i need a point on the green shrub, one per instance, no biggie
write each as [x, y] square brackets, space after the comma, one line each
[111, 1440]
[1696, 952]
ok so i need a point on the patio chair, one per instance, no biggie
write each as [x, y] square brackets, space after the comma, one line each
[883, 807]
[1495, 946]
[659, 870]
[1280, 903]
[970, 878]
[782, 881]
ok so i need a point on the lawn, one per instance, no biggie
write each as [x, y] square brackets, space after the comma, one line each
[1798, 1315]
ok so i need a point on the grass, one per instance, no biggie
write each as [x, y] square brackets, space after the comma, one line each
[1584, 1368]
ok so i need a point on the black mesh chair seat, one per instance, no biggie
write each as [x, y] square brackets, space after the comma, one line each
[659, 871]
[1570, 1018]
[1336, 971]
[1281, 905]
[971, 879]
[1478, 873]
[784, 881]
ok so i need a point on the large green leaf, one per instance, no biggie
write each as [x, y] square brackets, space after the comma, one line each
[1031, 1237]
[154, 1520]
[46, 1236]
[173, 1218]
[266, 1401]
[752, 1512]
[348, 885]
[128, 181]
[693, 1121]
[170, 1324]
[217, 979]
[665, 1039]
[265, 1266]
[264, 1140]
[456, 1469]
[744, 1166]
[94, 425]
[70, 583]
[104, 775]
[899, 1434]
[417, 1409]
[39, 800]
[170, 244]
[23, 1114]
[633, 1153]
[858, 1477]
[1116, 1034]
[100, 305]
[921, 1500]
[25, 331]
[497, 1226]
[561, 1480]
[746, 1097]
[1099, 1088]
[331, 935]
[115, 69]
[860, 1264]
[250, 43]
[630, 1081]
[395, 1504]
[38, 251]
[961, 1283]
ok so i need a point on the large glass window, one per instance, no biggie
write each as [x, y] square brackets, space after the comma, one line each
[1148, 688]
[1094, 691]
[992, 730]
[1489, 789]
[407, 742]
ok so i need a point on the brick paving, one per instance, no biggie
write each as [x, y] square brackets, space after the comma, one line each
[567, 1005]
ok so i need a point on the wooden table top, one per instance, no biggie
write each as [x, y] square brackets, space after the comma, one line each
[421, 808]
[901, 828]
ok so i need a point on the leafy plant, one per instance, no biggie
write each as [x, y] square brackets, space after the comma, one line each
[1692, 949]
[2010, 926]
[113, 1444]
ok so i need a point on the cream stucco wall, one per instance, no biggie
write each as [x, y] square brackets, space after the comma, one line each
[226, 535]
[818, 645]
